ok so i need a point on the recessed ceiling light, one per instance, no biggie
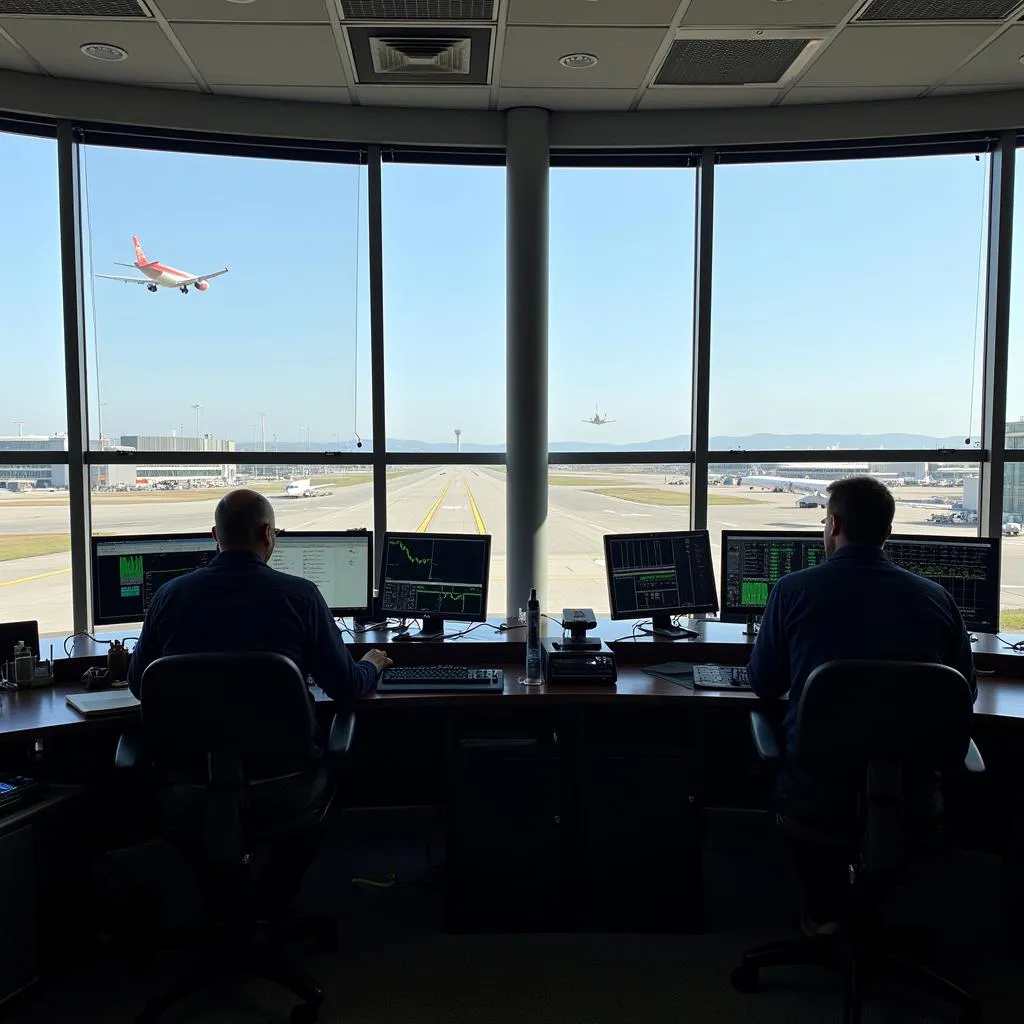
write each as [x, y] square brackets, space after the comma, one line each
[241, 1]
[577, 61]
[104, 51]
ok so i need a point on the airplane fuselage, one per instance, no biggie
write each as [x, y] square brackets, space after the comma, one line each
[170, 277]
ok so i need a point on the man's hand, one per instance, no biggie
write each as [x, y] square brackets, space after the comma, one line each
[378, 659]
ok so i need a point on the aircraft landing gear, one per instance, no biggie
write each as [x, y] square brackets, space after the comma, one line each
[150, 287]
[184, 289]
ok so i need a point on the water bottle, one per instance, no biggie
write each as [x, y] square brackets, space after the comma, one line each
[23, 664]
[533, 640]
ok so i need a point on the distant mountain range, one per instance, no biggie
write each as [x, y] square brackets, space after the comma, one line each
[680, 442]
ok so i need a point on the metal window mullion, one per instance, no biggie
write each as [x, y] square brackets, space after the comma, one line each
[377, 391]
[997, 334]
[700, 394]
[74, 372]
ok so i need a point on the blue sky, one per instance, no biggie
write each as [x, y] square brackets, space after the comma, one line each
[845, 298]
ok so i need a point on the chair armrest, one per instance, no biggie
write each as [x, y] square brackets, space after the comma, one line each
[973, 761]
[342, 729]
[129, 751]
[765, 738]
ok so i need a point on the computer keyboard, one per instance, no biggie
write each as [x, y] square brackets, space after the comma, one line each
[720, 677]
[441, 679]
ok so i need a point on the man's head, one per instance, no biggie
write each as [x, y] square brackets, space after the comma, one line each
[860, 511]
[244, 521]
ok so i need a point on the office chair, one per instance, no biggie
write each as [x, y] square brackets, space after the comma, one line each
[868, 727]
[230, 740]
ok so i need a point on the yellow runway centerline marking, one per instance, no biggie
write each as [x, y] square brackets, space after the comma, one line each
[474, 509]
[428, 518]
[37, 576]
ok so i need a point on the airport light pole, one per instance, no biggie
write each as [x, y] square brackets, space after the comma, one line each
[19, 424]
[99, 420]
[263, 428]
[198, 408]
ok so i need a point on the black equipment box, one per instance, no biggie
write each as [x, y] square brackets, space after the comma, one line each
[563, 661]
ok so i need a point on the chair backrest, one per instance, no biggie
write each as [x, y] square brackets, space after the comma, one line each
[883, 729]
[249, 705]
[917, 714]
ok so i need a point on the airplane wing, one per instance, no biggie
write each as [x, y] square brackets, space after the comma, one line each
[200, 277]
[127, 280]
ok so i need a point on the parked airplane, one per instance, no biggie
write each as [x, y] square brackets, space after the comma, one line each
[812, 492]
[304, 489]
[158, 274]
[597, 419]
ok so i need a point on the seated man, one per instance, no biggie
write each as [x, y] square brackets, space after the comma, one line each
[238, 603]
[856, 604]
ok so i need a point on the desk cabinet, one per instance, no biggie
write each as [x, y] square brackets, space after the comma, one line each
[507, 830]
[640, 857]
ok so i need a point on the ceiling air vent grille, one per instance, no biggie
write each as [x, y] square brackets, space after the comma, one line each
[729, 61]
[420, 56]
[937, 10]
[75, 8]
[418, 10]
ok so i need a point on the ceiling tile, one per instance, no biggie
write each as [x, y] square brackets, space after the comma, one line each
[12, 59]
[305, 93]
[624, 57]
[270, 54]
[221, 10]
[54, 43]
[998, 64]
[707, 96]
[761, 14]
[567, 99]
[845, 94]
[894, 55]
[586, 12]
[465, 97]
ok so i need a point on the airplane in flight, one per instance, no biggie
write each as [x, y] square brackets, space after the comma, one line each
[160, 275]
[597, 419]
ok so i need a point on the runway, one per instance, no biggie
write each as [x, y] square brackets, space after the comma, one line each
[463, 499]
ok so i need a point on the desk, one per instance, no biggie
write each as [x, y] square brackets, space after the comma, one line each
[628, 777]
[27, 712]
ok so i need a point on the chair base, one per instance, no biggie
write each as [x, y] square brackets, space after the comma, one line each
[831, 954]
[232, 954]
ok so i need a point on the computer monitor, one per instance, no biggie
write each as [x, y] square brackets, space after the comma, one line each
[658, 575]
[128, 571]
[433, 577]
[968, 568]
[339, 562]
[753, 561]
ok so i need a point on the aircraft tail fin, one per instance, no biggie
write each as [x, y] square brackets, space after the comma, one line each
[140, 256]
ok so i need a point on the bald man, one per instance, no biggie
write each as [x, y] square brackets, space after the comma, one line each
[238, 603]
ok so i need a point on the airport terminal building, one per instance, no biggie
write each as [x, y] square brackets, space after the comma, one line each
[118, 475]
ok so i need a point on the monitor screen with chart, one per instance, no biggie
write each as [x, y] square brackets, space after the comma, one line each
[967, 567]
[128, 571]
[433, 577]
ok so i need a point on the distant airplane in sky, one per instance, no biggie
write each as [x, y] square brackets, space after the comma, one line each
[158, 274]
[597, 419]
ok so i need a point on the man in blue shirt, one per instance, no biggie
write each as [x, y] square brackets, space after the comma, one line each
[855, 604]
[238, 603]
